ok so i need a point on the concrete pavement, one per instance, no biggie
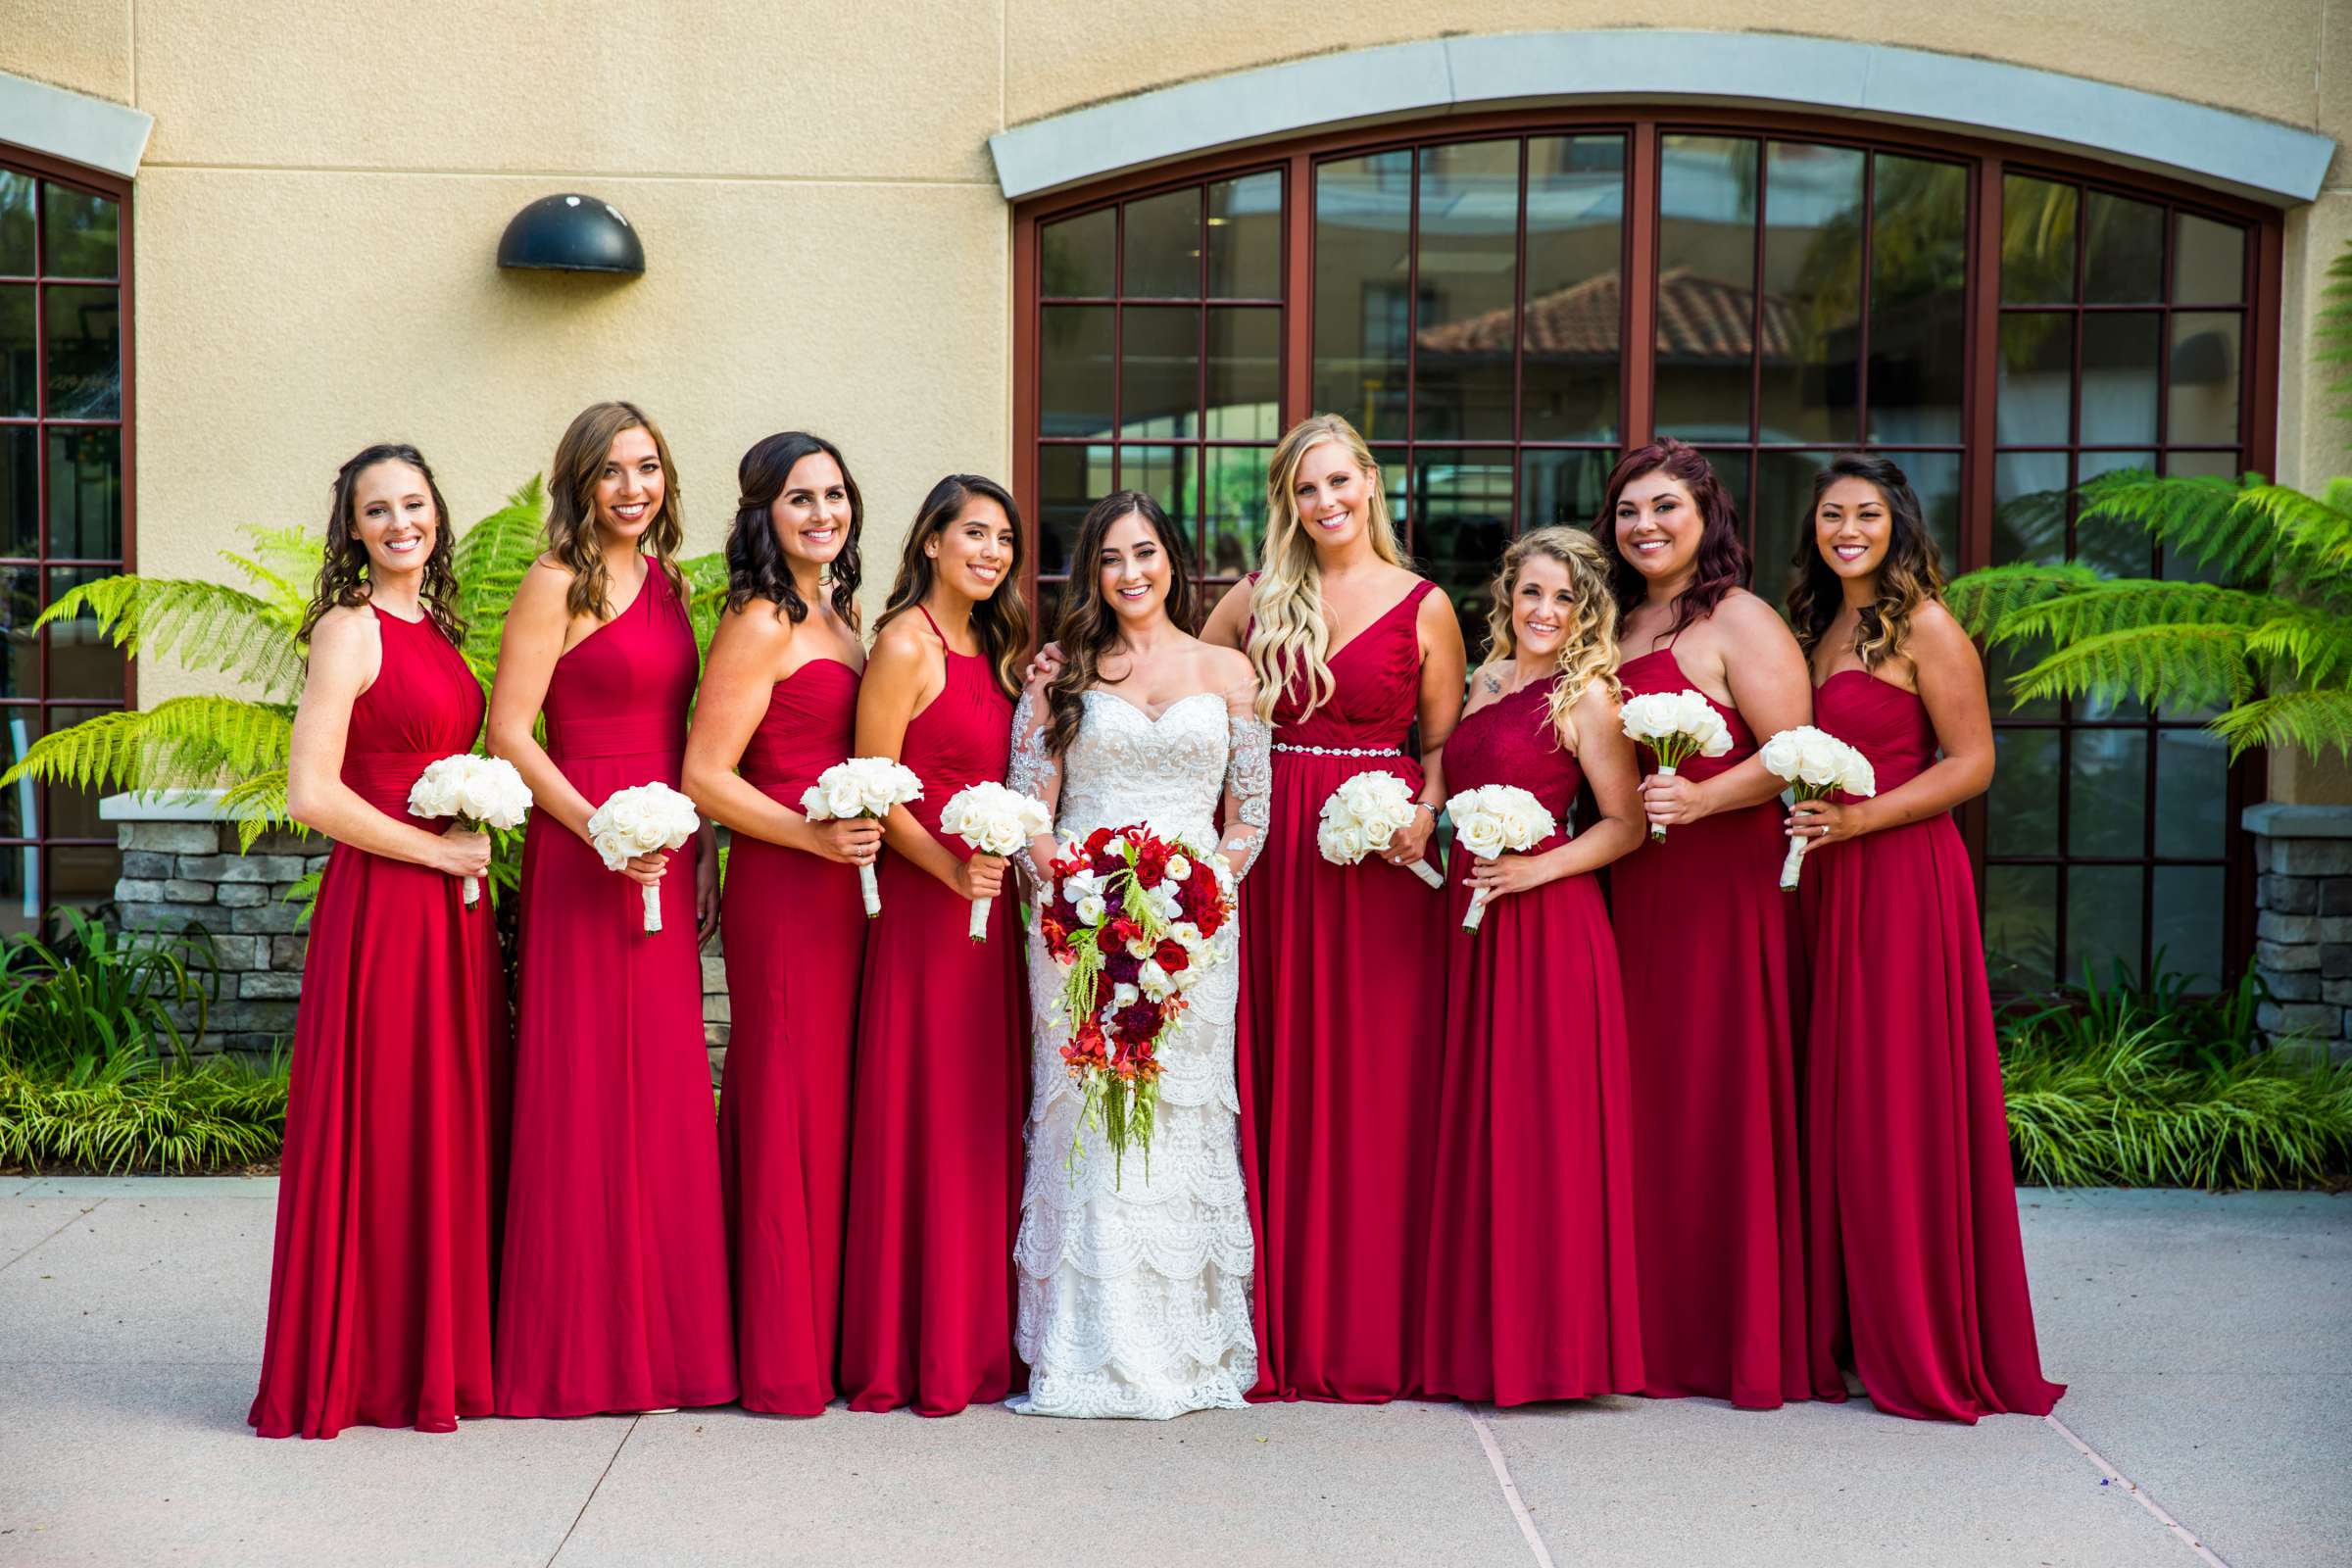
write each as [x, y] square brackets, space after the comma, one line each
[2207, 1342]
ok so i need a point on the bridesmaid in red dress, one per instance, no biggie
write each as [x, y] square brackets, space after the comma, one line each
[1719, 1221]
[388, 1198]
[615, 1290]
[943, 1035]
[1339, 1030]
[779, 700]
[1916, 1266]
[1531, 1279]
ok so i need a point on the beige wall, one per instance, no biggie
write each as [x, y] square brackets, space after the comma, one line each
[325, 188]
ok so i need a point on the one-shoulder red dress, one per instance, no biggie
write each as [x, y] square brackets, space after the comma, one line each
[614, 1291]
[1914, 1258]
[388, 1195]
[794, 931]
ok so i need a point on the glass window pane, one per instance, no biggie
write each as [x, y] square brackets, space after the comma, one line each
[1562, 487]
[1733, 471]
[2107, 805]
[1079, 254]
[1245, 237]
[2123, 251]
[79, 875]
[15, 226]
[1936, 479]
[2036, 379]
[2119, 379]
[1918, 298]
[2117, 546]
[2003, 664]
[1234, 519]
[1048, 608]
[1782, 523]
[1169, 475]
[20, 492]
[1068, 479]
[2104, 905]
[1469, 286]
[1569, 360]
[2037, 241]
[1363, 209]
[84, 329]
[19, 652]
[2203, 410]
[2178, 566]
[1394, 487]
[1163, 247]
[80, 232]
[1462, 519]
[1074, 370]
[20, 372]
[1706, 287]
[2020, 927]
[2022, 806]
[1160, 371]
[85, 493]
[1812, 293]
[2192, 794]
[2209, 261]
[19, 727]
[84, 660]
[2187, 929]
[2029, 507]
[1245, 373]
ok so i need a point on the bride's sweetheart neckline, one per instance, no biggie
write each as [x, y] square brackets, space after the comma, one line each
[1145, 714]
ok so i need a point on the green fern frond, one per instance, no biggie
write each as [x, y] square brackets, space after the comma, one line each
[2303, 643]
[284, 563]
[490, 560]
[2312, 538]
[706, 594]
[258, 806]
[2197, 518]
[2175, 665]
[2122, 603]
[184, 742]
[1981, 600]
[205, 625]
[2313, 721]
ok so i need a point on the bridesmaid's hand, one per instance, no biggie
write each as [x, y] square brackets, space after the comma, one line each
[465, 852]
[981, 877]
[1508, 873]
[848, 840]
[1411, 841]
[1045, 667]
[646, 870]
[1820, 822]
[1672, 800]
[706, 896]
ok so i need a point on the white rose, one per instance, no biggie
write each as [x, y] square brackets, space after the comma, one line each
[1482, 835]
[1154, 980]
[1123, 995]
[1179, 868]
[1090, 910]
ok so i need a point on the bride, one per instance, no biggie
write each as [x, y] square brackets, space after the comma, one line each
[1135, 1297]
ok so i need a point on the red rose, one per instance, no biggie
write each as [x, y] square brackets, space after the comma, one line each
[1170, 955]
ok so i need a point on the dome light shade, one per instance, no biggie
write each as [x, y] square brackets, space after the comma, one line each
[571, 234]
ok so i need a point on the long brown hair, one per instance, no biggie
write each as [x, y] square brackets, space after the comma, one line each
[343, 575]
[1589, 652]
[1910, 576]
[572, 505]
[1721, 563]
[1090, 628]
[1000, 620]
[1287, 634]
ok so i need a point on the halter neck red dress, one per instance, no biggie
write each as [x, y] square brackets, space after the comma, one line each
[615, 1293]
[1530, 1286]
[1708, 944]
[1913, 1237]
[942, 1091]
[1338, 1042]
[795, 930]
[388, 1196]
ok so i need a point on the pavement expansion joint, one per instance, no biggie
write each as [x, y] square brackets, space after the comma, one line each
[1510, 1489]
[2180, 1530]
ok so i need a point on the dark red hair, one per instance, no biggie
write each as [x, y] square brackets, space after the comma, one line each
[1721, 563]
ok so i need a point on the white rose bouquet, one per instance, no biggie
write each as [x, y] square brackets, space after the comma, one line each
[1363, 815]
[994, 820]
[862, 786]
[1675, 727]
[1493, 819]
[1815, 763]
[640, 820]
[481, 792]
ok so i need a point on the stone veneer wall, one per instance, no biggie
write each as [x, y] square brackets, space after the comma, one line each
[2303, 920]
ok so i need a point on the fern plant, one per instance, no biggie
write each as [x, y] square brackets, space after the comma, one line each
[2265, 639]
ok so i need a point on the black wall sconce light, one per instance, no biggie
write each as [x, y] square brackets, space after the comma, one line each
[571, 234]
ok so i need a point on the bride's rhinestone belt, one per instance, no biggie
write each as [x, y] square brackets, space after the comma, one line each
[1339, 751]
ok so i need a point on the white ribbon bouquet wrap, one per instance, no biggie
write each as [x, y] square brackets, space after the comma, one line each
[862, 786]
[1815, 763]
[1488, 821]
[1675, 727]
[1364, 815]
[641, 819]
[994, 820]
[481, 792]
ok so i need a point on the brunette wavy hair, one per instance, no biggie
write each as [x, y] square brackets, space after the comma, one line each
[1589, 652]
[572, 505]
[1911, 576]
[1000, 620]
[757, 566]
[1723, 562]
[1090, 628]
[343, 575]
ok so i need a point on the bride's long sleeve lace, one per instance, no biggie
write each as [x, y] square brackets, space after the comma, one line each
[1249, 784]
[1035, 771]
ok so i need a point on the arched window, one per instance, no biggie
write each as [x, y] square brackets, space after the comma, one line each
[2004, 324]
[65, 505]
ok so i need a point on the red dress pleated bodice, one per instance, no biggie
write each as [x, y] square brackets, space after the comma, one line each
[1913, 1253]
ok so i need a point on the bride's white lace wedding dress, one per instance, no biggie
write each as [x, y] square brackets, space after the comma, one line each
[1135, 1297]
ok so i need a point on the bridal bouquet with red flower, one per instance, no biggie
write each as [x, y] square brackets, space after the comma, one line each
[1131, 925]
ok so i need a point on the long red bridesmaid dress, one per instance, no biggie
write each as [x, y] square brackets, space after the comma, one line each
[795, 945]
[1913, 1236]
[615, 1290]
[942, 1089]
[1531, 1290]
[388, 1198]
[1338, 1043]
[1708, 948]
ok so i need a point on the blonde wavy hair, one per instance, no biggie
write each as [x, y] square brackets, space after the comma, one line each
[1589, 652]
[1287, 634]
[572, 505]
